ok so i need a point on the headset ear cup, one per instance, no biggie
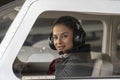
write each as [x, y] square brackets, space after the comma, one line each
[79, 38]
[82, 39]
[51, 42]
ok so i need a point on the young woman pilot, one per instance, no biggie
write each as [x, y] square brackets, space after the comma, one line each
[68, 38]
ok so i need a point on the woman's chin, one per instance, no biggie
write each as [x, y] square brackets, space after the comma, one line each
[60, 50]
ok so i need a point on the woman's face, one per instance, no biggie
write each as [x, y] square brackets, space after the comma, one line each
[63, 37]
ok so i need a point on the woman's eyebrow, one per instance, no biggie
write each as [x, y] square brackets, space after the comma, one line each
[64, 33]
[61, 33]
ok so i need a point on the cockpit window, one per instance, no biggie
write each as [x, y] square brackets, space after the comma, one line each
[94, 30]
[35, 55]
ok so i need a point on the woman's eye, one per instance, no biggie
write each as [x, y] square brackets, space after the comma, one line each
[65, 36]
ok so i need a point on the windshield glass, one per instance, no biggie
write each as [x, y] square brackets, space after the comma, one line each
[36, 55]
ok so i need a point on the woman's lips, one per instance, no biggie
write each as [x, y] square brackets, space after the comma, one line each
[60, 47]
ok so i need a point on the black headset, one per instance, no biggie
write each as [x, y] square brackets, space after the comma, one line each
[78, 34]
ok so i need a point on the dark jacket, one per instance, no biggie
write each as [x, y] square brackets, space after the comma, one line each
[77, 64]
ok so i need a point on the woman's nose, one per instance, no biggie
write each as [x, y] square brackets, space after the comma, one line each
[59, 40]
